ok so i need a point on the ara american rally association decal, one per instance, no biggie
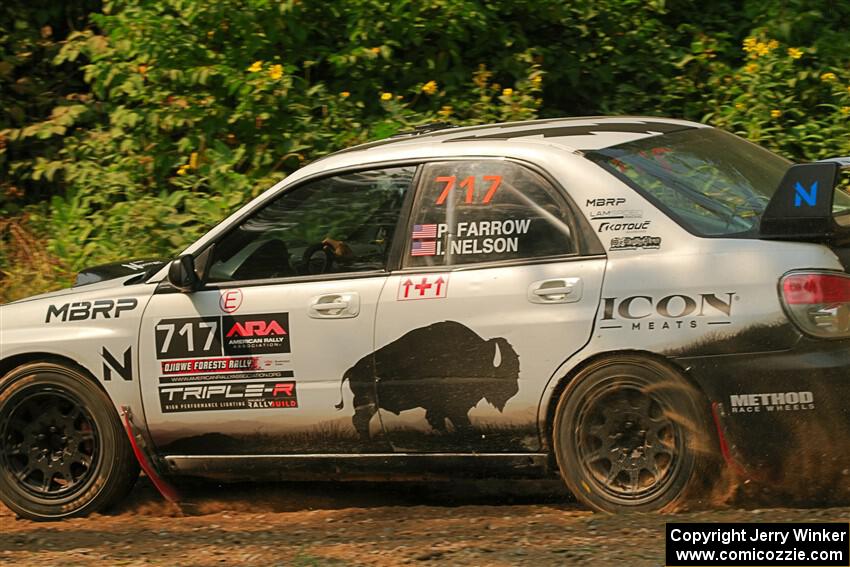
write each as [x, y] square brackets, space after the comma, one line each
[225, 363]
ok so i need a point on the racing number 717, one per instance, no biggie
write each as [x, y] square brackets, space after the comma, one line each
[468, 183]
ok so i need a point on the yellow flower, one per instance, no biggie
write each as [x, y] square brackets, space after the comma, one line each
[193, 160]
[345, 94]
[775, 113]
[795, 53]
[751, 68]
[750, 44]
[183, 170]
[446, 111]
[430, 87]
[828, 77]
[772, 44]
[845, 110]
[375, 50]
[386, 96]
[276, 72]
[507, 92]
[536, 80]
[256, 67]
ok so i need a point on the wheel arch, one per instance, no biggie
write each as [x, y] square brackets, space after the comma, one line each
[12, 362]
[566, 379]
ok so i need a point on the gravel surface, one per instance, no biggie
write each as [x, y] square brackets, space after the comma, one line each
[468, 523]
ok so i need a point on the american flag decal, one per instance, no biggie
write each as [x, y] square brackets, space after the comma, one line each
[424, 231]
[423, 248]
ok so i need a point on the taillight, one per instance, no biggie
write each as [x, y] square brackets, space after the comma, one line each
[819, 303]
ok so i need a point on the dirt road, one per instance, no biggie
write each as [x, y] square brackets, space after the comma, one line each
[359, 524]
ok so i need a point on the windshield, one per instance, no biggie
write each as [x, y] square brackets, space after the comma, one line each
[712, 182]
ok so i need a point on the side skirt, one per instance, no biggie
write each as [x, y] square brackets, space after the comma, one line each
[392, 466]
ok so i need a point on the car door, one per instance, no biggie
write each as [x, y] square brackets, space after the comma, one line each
[252, 363]
[498, 287]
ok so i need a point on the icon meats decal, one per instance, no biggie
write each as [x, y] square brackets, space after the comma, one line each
[246, 395]
[444, 368]
[217, 336]
[676, 311]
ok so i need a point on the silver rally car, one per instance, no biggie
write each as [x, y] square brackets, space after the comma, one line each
[636, 304]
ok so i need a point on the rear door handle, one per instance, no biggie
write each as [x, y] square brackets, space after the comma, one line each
[335, 306]
[558, 290]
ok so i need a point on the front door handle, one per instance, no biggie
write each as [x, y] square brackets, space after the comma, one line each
[335, 306]
[558, 290]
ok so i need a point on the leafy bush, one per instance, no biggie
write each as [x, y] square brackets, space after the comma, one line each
[127, 131]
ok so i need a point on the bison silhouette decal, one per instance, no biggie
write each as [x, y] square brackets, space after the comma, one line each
[445, 368]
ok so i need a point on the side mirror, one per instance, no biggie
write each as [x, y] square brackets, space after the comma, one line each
[181, 273]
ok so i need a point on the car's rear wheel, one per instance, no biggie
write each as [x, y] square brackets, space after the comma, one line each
[63, 451]
[631, 434]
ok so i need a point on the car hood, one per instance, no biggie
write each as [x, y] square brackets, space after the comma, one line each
[103, 277]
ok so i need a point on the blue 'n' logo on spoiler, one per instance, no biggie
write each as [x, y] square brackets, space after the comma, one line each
[810, 196]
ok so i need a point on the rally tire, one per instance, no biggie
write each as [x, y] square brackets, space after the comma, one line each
[63, 450]
[632, 434]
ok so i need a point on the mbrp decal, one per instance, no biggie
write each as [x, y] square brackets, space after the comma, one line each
[605, 202]
[194, 337]
[678, 311]
[772, 402]
[423, 287]
[217, 397]
[635, 243]
[444, 368]
[82, 310]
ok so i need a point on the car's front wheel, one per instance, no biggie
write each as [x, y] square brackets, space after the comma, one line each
[631, 434]
[63, 451]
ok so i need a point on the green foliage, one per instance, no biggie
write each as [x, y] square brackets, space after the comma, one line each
[128, 129]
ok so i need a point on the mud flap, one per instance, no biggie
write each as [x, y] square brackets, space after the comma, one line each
[137, 442]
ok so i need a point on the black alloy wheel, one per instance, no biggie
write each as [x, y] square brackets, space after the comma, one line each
[630, 433]
[63, 450]
[51, 444]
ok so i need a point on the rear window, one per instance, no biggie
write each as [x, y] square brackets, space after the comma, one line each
[713, 183]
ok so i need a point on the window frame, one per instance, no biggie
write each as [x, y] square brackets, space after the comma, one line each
[294, 187]
[588, 245]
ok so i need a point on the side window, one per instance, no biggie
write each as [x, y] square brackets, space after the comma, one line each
[333, 225]
[468, 212]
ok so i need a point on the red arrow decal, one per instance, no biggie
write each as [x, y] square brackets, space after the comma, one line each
[440, 281]
[407, 285]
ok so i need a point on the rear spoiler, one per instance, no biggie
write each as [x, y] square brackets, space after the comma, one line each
[802, 207]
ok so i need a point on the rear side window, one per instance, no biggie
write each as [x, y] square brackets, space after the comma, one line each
[712, 182]
[468, 212]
